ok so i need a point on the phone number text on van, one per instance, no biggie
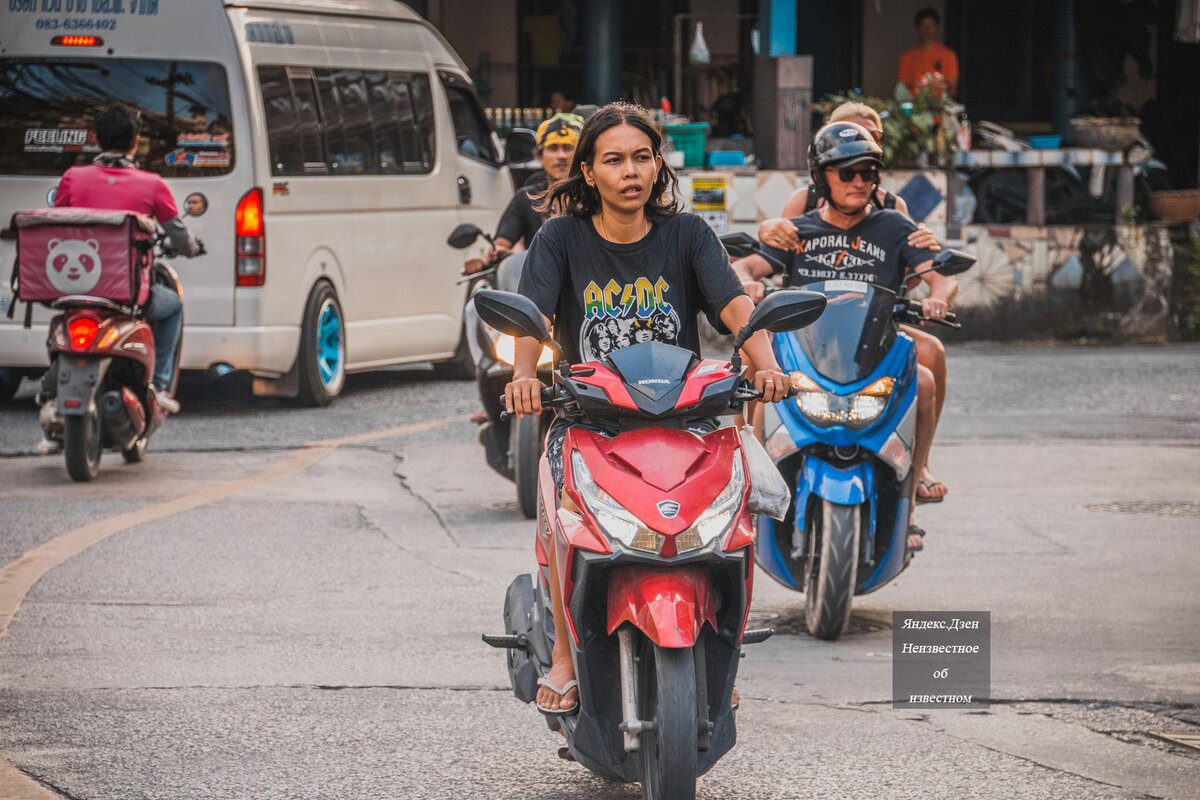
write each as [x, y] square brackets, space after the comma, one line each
[143, 8]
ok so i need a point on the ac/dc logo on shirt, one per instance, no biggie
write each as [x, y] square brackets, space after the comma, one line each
[839, 251]
[618, 315]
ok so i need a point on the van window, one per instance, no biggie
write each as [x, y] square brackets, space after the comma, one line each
[293, 123]
[471, 131]
[49, 105]
[367, 123]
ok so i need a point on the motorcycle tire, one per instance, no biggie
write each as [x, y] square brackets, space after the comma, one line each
[81, 444]
[322, 356]
[832, 578]
[526, 451]
[136, 451]
[667, 697]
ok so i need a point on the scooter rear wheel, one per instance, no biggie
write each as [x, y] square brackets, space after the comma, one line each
[667, 697]
[81, 444]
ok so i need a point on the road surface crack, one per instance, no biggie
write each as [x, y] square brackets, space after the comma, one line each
[370, 524]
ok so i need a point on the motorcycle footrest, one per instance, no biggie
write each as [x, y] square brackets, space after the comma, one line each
[507, 642]
[757, 635]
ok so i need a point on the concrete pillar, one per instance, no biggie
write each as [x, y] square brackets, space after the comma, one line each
[1069, 73]
[777, 27]
[602, 51]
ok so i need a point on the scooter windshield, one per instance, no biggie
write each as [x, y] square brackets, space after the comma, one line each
[856, 330]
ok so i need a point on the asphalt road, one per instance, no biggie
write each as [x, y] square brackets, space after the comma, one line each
[254, 617]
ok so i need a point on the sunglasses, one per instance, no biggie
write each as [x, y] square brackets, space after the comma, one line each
[847, 174]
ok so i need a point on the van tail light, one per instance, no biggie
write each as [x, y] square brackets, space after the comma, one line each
[77, 41]
[251, 239]
[83, 332]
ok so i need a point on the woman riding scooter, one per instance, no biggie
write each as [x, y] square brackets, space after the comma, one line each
[619, 250]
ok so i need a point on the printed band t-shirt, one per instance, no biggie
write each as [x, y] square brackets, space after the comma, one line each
[876, 250]
[604, 296]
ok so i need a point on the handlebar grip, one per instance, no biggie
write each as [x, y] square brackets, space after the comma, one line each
[549, 396]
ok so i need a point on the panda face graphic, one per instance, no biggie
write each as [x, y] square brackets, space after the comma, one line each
[73, 265]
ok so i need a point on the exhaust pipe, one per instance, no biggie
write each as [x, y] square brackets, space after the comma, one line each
[123, 417]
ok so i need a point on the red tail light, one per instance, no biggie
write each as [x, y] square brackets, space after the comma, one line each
[77, 41]
[251, 239]
[83, 332]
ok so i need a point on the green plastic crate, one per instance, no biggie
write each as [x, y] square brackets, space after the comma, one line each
[690, 138]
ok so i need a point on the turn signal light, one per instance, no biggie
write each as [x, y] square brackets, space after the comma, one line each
[251, 240]
[83, 332]
[77, 41]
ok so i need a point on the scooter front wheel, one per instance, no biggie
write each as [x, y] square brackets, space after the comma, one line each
[526, 450]
[667, 695]
[831, 579]
[81, 444]
[136, 451]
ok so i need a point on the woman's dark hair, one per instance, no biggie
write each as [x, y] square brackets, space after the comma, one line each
[927, 12]
[572, 195]
[116, 127]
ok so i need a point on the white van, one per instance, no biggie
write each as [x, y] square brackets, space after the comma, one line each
[332, 146]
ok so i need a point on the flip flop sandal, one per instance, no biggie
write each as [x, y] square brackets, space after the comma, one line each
[919, 532]
[558, 712]
[929, 485]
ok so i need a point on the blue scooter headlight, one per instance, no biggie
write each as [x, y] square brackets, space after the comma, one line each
[826, 409]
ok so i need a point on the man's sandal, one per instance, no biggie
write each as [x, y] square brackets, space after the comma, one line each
[558, 712]
[921, 500]
[919, 532]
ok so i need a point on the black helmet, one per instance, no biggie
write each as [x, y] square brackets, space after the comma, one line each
[840, 144]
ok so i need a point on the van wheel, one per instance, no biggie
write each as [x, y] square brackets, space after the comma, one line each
[322, 356]
[460, 366]
[10, 382]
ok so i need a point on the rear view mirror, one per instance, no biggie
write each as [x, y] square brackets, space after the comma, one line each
[953, 262]
[511, 313]
[464, 236]
[787, 310]
[739, 245]
[520, 147]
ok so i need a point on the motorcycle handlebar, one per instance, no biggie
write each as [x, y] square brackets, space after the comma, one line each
[551, 397]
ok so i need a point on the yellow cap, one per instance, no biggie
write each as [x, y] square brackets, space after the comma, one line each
[562, 128]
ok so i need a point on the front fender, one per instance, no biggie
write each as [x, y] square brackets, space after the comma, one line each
[78, 379]
[670, 605]
[850, 486]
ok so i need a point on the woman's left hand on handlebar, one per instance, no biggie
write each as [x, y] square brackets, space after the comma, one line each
[923, 238]
[934, 308]
[772, 383]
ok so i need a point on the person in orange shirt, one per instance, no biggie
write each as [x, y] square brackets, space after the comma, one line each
[928, 56]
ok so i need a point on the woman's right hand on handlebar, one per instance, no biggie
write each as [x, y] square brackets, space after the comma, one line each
[779, 233]
[523, 396]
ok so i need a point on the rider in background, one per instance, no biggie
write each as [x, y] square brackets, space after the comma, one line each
[114, 182]
[781, 233]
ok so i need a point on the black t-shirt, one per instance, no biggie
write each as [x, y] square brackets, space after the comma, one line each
[604, 296]
[519, 220]
[875, 250]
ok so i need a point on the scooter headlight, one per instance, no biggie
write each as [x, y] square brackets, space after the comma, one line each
[826, 409]
[615, 520]
[719, 515]
[506, 351]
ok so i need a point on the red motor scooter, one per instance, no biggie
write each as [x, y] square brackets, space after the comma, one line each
[657, 567]
[96, 267]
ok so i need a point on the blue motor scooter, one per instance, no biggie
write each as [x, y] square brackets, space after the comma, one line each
[845, 442]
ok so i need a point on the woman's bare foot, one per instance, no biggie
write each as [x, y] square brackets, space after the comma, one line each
[562, 672]
[735, 699]
[916, 538]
